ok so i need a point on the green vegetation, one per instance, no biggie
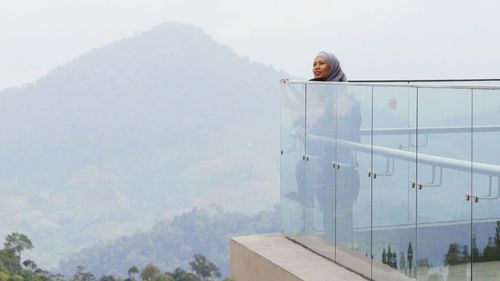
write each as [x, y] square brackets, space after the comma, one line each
[457, 258]
[459, 254]
[171, 244]
[11, 268]
[204, 268]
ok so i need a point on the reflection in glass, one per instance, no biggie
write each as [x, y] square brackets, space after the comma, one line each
[485, 254]
[443, 213]
[292, 151]
[319, 203]
[394, 128]
[353, 193]
[314, 174]
[395, 182]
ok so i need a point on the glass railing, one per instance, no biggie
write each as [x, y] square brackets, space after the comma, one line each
[396, 182]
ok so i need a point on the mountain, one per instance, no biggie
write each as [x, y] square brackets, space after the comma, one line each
[172, 243]
[134, 132]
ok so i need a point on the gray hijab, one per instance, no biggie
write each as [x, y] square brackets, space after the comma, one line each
[336, 73]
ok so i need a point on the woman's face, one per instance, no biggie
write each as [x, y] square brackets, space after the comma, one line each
[321, 69]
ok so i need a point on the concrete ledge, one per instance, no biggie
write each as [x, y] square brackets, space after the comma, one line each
[351, 259]
[273, 257]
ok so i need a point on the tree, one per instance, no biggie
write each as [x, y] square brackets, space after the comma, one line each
[409, 255]
[204, 268]
[18, 242]
[57, 277]
[16, 277]
[476, 256]
[394, 261]
[82, 275]
[132, 272]
[9, 261]
[490, 250]
[162, 277]
[390, 259]
[453, 255]
[108, 278]
[4, 276]
[149, 272]
[497, 241]
[31, 265]
[180, 274]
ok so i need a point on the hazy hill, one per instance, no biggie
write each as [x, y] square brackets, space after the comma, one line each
[134, 132]
[172, 243]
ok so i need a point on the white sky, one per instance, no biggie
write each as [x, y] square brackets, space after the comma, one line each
[382, 39]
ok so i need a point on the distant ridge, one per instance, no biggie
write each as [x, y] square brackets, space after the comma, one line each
[135, 131]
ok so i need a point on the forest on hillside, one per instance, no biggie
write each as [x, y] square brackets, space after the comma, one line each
[12, 269]
[173, 242]
[191, 246]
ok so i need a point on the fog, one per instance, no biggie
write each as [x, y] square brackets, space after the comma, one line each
[387, 39]
[115, 119]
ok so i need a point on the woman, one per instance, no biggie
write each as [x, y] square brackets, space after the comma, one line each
[340, 119]
[326, 67]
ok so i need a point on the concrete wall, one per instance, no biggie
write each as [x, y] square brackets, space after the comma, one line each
[275, 258]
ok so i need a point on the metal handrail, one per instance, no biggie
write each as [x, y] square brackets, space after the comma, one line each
[439, 161]
[426, 80]
[397, 85]
[430, 130]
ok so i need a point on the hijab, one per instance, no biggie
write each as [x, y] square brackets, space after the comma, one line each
[336, 74]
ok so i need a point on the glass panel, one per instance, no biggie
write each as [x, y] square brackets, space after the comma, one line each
[292, 150]
[318, 194]
[486, 211]
[426, 227]
[444, 177]
[394, 131]
[352, 186]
